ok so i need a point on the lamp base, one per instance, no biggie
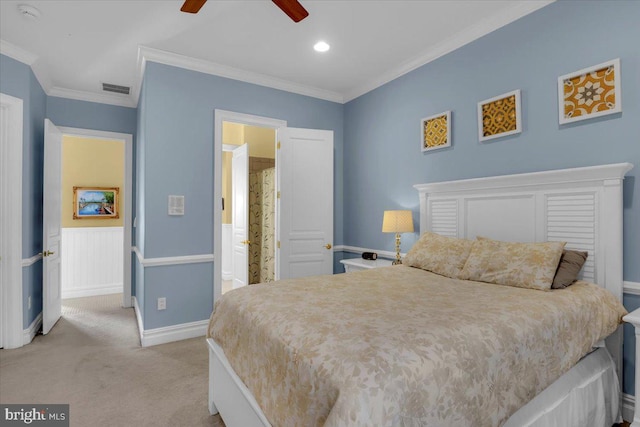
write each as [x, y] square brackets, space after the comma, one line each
[397, 261]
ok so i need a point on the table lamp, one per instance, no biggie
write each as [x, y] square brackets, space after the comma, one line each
[397, 222]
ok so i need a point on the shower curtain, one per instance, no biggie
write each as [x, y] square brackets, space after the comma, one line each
[262, 226]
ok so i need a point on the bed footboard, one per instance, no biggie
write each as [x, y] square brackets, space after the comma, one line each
[228, 395]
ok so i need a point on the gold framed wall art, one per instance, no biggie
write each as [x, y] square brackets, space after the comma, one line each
[499, 116]
[95, 202]
[591, 92]
[436, 131]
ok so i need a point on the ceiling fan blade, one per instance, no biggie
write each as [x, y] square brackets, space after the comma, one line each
[293, 8]
[192, 6]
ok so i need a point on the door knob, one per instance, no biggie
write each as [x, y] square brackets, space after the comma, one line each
[246, 242]
[46, 253]
[328, 246]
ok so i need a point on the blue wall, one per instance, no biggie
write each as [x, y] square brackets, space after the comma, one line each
[19, 81]
[176, 115]
[382, 158]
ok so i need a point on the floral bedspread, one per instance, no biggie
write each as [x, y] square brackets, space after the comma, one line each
[399, 346]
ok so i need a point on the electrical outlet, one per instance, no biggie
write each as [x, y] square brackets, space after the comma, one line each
[162, 303]
[29, 302]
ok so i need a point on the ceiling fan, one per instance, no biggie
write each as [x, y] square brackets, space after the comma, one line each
[293, 8]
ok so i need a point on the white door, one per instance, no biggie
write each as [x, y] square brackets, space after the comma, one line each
[240, 215]
[304, 162]
[52, 213]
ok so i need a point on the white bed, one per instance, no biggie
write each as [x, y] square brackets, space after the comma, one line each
[581, 206]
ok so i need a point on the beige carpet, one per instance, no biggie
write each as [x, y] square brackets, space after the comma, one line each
[93, 361]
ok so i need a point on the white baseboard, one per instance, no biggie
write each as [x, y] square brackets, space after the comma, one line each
[29, 334]
[183, 331]
[628, 405]
[173, 333]
[113, 288]
[136, 308]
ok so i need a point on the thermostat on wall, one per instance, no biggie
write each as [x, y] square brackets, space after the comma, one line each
[176, 205]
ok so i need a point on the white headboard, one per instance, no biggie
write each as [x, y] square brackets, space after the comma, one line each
[581, 206]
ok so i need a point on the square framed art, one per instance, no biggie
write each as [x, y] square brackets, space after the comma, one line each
[499, 116]
[591, 92]
[436, 131]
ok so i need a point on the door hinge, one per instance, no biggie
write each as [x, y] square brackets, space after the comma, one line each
[278, 145]
[278, 244]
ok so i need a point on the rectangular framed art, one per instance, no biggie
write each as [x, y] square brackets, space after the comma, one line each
[436, 131]
[499, 116]
[95, 202]
[589, 93]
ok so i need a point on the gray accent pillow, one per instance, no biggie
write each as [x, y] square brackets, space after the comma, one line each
[571, 263]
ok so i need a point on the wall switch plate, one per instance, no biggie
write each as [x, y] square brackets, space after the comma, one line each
[162, 303]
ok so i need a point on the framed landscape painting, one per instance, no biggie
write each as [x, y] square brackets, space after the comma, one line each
[95, 202]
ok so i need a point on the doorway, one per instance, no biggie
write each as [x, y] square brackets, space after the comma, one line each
[304, 203]
[52, 305]
[248, 205]
[92, 232]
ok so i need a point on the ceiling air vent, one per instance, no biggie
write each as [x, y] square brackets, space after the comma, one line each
[108, 87]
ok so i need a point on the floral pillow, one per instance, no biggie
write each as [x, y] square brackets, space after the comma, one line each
[439, 254]
[523, 265]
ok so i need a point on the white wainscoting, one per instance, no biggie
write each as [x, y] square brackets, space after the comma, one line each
[92, 261]
[227, 259]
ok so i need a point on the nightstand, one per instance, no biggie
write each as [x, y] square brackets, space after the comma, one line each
[358, 264]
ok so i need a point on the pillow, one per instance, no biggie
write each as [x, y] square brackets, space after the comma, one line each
[523, 265]
[439, 254]
[571, 263]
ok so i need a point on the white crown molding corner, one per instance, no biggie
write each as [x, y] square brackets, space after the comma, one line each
[631, 288]
[17, 53]
[101, 98]
[28, 262]
[207, 67]
[183, 331]
[460, 39]
[30, 333]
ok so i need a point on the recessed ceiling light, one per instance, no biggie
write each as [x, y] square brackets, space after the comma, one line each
[321, 46]
[28, 11]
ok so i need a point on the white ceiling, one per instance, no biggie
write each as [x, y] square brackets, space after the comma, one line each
[74, 45]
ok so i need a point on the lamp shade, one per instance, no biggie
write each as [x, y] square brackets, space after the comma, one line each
[397, 222]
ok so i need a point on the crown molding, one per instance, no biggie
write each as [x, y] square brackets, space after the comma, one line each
[101, 98]
[457, 41]
[200, 65]
[17, 53]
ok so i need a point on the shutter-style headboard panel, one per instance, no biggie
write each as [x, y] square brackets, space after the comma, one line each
[581, 206]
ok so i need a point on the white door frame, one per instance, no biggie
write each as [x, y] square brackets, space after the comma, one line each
[127, 139]
[11, 221]
[220, 116]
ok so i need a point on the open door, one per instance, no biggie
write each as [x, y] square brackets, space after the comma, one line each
[304, 161]
[51, 229]
[240, 215]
